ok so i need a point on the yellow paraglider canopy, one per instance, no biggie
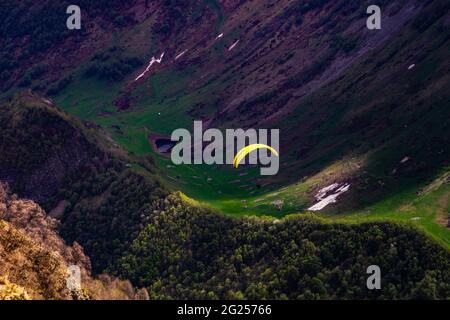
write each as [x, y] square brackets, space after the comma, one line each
[246, 150]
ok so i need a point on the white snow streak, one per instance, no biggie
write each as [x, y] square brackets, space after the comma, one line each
[152, 61]
[180, 55]
[219, 36]
[323, 192]
[233, 46]
[405, 159]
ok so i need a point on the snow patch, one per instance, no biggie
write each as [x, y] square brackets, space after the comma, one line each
[405, 159]
[47, 101]
[233, 45]
[180, 55]
[323, 192]
[325, 198]
[152, 62]
[219, 36]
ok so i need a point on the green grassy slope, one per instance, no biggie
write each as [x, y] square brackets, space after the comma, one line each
[358, 127]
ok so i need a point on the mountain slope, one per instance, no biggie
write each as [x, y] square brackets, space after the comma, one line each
[78, 173]
[40, 148]
[355, 106]
[186, 252]
[132, 228]
[310, 68]
[34, 260]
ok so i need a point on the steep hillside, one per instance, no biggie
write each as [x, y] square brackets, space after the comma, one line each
[40, 148]
[41, 273]
[11, 291]
[110, 213]
[34, 260]
[78, 173]
[355, 106]
[131, 228]
[187, 252]
[35, 47]
[45, 153]
[39, 51]
[339, 91]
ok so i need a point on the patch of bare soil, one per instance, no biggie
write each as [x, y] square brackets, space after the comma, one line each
[443, 216]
